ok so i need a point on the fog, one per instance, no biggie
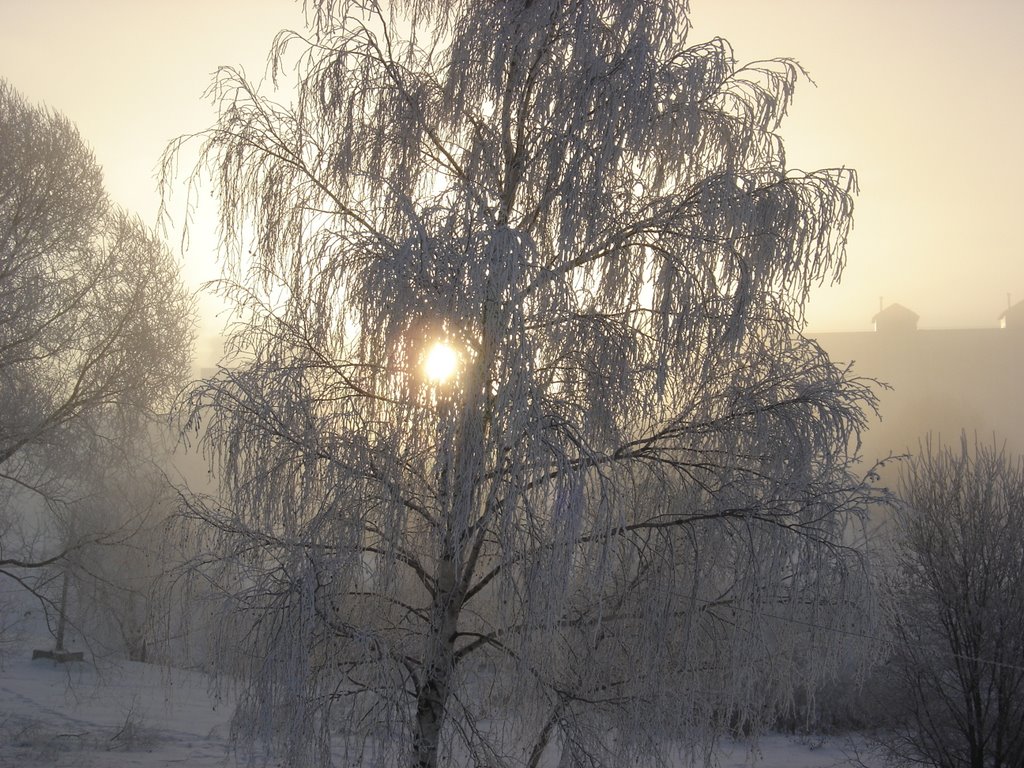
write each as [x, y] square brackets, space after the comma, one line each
[524, 449]
[914, 95]
[935, 384]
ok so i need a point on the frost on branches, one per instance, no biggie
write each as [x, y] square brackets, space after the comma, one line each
[624, 524]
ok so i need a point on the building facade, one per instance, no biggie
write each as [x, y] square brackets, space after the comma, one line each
[939, 382]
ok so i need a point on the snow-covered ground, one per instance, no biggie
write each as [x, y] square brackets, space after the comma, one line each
[128, 714]
[120, 714]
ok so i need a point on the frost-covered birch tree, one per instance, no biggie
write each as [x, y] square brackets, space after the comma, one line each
[623, 523]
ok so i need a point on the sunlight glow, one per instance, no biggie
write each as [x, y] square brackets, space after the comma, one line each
[440, 363]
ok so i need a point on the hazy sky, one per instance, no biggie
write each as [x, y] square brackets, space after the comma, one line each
[922, 97]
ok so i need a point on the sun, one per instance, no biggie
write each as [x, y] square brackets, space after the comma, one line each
[440, 363]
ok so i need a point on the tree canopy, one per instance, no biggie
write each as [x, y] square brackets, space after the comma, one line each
[625, 522]
[95, 325]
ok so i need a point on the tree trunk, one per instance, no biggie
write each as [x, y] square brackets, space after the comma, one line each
[62, 613]
[431, 700]
[462, 469]
[433, 688]
[544, 738]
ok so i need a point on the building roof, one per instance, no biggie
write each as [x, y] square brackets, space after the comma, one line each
[1012, 317]
[895, 317]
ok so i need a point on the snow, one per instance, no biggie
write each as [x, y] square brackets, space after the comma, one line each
[114, 714]
[778, 751]
[121, 714]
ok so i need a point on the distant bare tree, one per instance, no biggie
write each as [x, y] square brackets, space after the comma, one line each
[124, 588]
[958, 607]
[625, 521]
[95, 324]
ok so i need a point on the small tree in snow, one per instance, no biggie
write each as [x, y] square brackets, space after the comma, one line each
[624, 518]
[958, 608]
